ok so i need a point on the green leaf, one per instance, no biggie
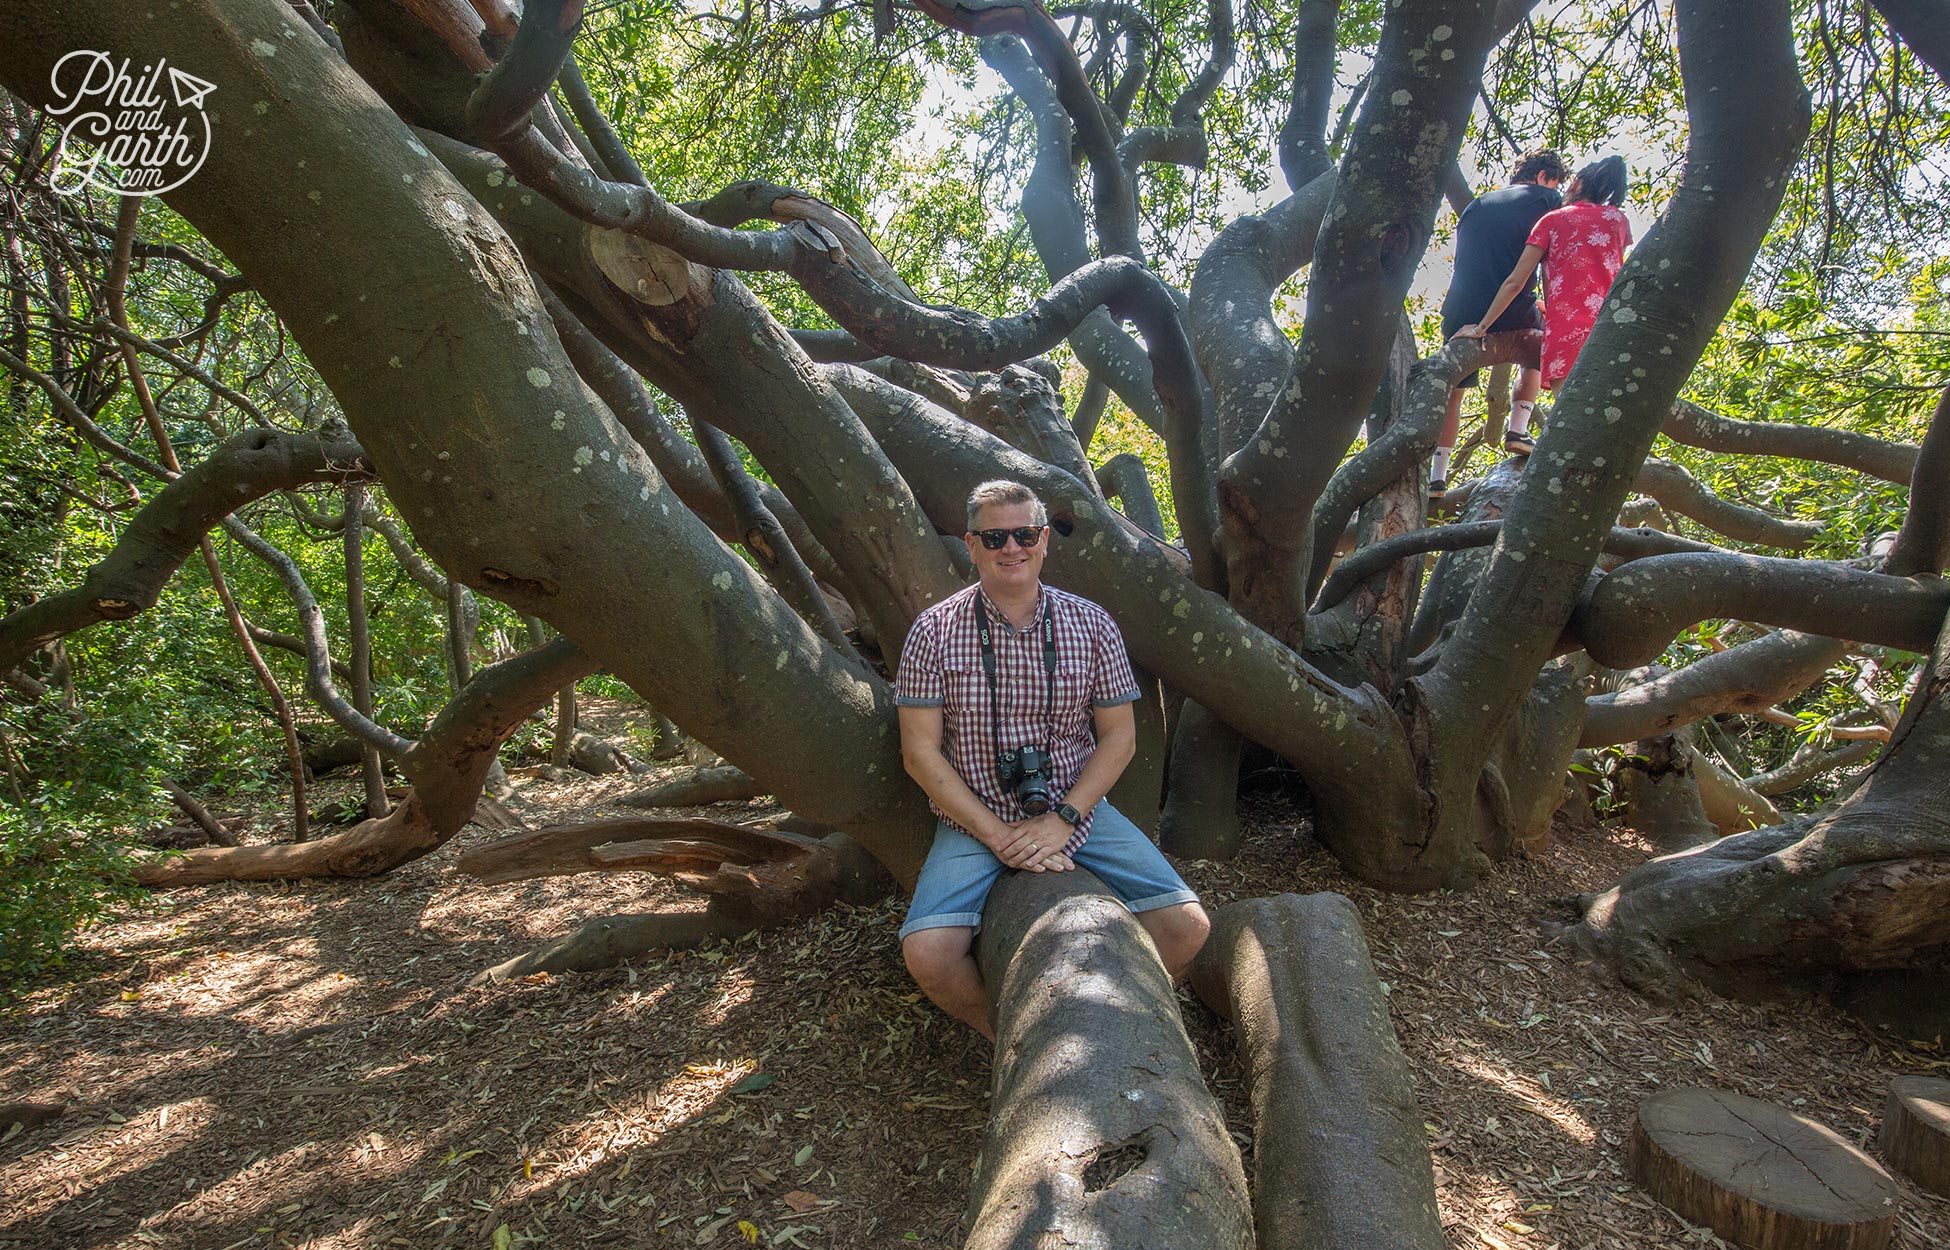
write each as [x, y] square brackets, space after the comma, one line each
[753, 1083]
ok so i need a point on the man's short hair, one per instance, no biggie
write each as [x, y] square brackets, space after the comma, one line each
[1004, 492]
[1544, 161]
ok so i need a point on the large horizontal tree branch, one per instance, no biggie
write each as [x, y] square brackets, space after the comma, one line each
[1634, 612]
[1810, 760]
[1679, 491]
[168, 529]
[1693, 426]
[1365, 562]
[1747, 678]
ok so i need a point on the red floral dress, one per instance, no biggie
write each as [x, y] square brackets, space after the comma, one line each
[1584, 246]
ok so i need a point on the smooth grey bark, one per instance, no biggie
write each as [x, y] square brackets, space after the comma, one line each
[1662, 309]
[1659, 795]
[1101, 1132]
[1691, 425]
[1631, 615]
[1922, 26]
[1122, 478]
[1678, 491]
[1339, 1153]
[595, 515]
[1751, 677]
[1201, 812]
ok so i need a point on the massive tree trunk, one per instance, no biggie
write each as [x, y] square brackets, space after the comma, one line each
[594, 514]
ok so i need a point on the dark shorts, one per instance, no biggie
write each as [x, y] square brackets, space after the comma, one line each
[1520, 315]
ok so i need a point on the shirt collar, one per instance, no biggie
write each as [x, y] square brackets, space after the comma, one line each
[1035, 622]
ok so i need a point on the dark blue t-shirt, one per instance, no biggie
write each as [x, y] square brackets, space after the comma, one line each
[1489, 238]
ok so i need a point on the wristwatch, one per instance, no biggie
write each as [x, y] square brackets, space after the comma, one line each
[1069, 814]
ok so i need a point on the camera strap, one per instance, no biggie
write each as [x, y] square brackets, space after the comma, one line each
[980, 609]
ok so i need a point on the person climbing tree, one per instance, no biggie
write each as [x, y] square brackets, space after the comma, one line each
[1582, 247]
[1490, 237]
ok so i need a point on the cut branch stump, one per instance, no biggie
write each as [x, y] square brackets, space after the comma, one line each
[1339, 1153]
[1103, 1135]
[1915, 1135]
[1760, 1175]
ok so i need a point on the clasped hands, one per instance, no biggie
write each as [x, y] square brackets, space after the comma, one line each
[1034, 845]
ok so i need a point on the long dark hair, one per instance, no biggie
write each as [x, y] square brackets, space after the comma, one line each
[1602, 182]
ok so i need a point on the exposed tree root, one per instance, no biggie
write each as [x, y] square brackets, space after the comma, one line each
[757, 879]
[600, 757]
[448, 767]
[1865, 886]
[697, 787]
[1660, 796]
[1339, 1155]
[609, 940]
[1102, 1132]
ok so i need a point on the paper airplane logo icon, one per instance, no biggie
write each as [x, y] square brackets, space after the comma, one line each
[189, 89]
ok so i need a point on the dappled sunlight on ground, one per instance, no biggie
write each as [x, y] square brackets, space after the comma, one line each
[303, 1066]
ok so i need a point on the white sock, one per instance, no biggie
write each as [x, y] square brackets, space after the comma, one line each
[1439, 467]
[1520, 416]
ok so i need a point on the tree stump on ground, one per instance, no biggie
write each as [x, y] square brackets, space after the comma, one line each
[1915, 1135]
[1760, 1175]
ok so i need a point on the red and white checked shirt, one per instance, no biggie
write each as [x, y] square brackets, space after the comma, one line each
[941, 666]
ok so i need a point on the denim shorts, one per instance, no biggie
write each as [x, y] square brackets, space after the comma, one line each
[960, 871]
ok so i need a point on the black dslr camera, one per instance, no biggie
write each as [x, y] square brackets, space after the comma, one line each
[1026, 771]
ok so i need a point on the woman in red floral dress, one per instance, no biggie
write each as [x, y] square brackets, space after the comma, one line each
[1581, 246]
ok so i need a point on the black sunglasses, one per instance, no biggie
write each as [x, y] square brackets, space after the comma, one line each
[1026, 536]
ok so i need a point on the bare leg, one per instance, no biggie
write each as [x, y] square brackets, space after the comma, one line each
[1516, 441]
[942, 963]
[1445, 442]
[1178, 932]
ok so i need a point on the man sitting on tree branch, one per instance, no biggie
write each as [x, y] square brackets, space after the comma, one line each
[1015, 711]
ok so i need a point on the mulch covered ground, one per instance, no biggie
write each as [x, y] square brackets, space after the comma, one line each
[302, 1066]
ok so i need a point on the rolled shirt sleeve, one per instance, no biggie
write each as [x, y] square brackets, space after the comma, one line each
[921, 681]
[1111, 679]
